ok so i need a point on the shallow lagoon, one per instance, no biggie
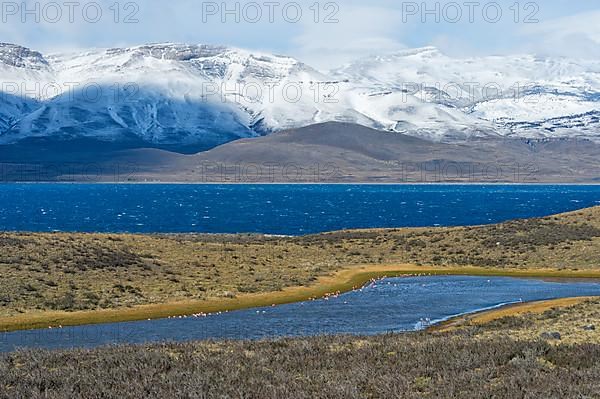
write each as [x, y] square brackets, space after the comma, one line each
[390, 305]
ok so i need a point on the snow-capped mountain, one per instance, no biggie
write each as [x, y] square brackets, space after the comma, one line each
[160, 94]
[522, 96]
[202, 96]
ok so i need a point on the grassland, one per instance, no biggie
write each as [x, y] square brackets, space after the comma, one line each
[547, 349]
[512, 357]
[61, 278]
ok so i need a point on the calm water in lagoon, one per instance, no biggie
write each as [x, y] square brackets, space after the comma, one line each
[275, 209]
[397, 304]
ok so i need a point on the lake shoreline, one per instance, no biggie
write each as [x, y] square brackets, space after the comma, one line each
[341, 281]
[484, 316]
[71, 279]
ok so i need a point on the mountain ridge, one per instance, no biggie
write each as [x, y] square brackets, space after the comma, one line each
[197, 97]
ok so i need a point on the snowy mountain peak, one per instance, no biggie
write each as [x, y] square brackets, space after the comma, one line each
[170, 51]
[211, 62]
[17, 56]
[427, 51]
[198, 95]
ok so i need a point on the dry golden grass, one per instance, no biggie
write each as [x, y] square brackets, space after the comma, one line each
[62, 272]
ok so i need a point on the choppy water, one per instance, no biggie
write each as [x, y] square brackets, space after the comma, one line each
[391, 305]
[275, 209]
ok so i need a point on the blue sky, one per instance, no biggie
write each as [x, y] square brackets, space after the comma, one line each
[354, 29]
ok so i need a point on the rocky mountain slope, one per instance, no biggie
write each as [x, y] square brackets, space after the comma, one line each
[190, 98]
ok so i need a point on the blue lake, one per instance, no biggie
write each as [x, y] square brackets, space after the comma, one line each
[275, 209]
[391, 305]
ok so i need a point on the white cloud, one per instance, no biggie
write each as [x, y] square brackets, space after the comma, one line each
[360, 31]
[572, 36]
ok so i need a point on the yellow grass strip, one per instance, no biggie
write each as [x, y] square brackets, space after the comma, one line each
[487, 316]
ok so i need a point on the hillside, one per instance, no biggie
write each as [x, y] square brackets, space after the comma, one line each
[323, 153]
